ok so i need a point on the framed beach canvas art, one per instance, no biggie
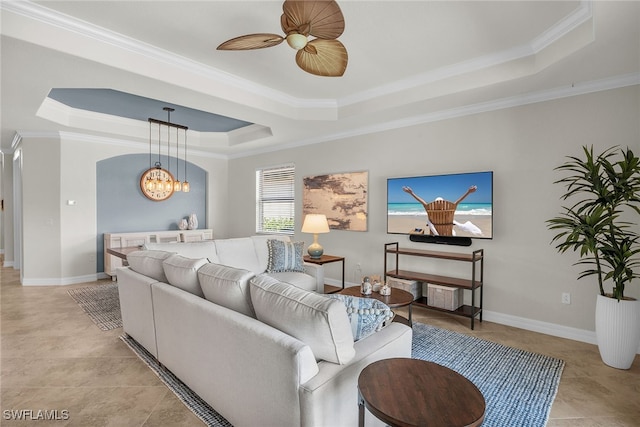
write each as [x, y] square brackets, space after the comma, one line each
[342, 197]
[441, 205]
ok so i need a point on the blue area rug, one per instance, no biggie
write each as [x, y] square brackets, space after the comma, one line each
[518, 386]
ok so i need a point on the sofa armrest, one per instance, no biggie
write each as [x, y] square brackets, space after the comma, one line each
[248, 371]
[317, 271]
[136, 306]
[331, 397]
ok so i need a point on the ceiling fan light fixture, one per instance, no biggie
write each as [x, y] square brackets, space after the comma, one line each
[312, 28]
[297, 41]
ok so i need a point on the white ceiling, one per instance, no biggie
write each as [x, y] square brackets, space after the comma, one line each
[409, 62]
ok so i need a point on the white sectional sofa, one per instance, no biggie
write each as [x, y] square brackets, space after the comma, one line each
[248, 253]
[261, 351]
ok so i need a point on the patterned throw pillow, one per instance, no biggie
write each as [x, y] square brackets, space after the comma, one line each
[367, 315]
[284, 256]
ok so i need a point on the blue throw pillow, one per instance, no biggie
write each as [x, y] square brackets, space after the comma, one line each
[367, 315]
[285, 256]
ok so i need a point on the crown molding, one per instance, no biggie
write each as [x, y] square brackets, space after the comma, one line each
[60, 20]
[570, 90]
[291, 106]
[99, 139]
[281, 103]
[581, 15]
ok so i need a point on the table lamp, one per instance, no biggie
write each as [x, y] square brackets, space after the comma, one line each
[315, 223]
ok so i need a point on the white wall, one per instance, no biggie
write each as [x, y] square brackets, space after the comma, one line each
[524, 275]
[7, 214]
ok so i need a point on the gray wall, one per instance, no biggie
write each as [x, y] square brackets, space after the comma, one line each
[524, 275]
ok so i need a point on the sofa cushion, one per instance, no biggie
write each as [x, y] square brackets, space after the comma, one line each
[285, 256]
[314, 319]
[367, 315]
[149, 263]
[227, 286]
[238, 253]
[182, 272]
[205, 249]
[297, 279]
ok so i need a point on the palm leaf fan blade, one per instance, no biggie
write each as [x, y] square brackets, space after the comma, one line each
[322, 19]
[327, 58]
[252, 41]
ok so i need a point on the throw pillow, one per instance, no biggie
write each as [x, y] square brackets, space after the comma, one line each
[367, 315]
[284, 256]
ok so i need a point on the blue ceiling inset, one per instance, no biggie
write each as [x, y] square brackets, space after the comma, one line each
[116, 103]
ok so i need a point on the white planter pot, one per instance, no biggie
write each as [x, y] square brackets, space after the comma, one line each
[617, 331]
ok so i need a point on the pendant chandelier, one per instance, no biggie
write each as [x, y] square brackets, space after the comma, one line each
[166, 181]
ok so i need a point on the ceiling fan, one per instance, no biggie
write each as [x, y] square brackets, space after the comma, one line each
[322, 19]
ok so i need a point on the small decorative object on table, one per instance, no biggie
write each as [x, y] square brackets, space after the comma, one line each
[375, 280]
[385, 290]
[193, 222]
[183, 224]
[366, 286]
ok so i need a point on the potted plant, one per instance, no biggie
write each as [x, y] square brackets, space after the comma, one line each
[606, 190]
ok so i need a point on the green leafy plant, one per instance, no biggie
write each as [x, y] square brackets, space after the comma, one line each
[606, 187]
[278, 224]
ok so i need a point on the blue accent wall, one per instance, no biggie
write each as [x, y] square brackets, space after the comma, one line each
[121, 206]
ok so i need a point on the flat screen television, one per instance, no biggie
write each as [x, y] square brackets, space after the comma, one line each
[447, 206]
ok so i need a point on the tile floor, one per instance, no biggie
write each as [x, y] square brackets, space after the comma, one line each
[54, 358]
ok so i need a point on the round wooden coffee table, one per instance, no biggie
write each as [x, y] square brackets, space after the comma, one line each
[411, 392]
[398, 298]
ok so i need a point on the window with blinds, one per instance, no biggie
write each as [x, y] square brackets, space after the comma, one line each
[275, 199]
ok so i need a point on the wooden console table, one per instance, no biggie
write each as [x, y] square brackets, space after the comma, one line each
[126, 240]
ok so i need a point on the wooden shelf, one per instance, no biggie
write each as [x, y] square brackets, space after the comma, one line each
[465, 310]
[472, 283]
[434, 278]
[454, 256]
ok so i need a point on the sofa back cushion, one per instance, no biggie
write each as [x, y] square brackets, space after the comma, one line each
[205, 249]
[182, 272]
[238, 253]
[149, 263]
[227, 286]
[314, 319]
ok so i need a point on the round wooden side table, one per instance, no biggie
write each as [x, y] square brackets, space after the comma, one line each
[406, 392]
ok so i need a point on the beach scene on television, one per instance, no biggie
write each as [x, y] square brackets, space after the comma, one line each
[441, 205]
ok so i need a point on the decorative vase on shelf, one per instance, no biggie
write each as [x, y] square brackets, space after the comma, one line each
[193, 221]
[183, 224]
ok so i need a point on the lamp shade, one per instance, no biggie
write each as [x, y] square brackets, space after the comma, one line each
[315, 223]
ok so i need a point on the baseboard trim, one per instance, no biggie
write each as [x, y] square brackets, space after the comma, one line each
[542, 327]
[546, 328]
[64, 280]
